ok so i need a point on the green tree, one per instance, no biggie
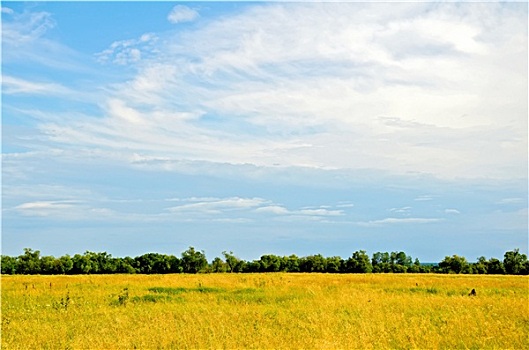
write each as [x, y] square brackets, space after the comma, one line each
[514, 262]
[403, 261]
[47, 265]
[29, 262]
[175, 264]
[218, 265]
[291, 263]
[233, 263]
[253, 266]
[453, 264]
[359, 262]
[480, 266]
[82, 264]
[495, 267]
[415, 267]
[270, 263]
[162, 264]
[193, 261]
[313, 263]
[9, 265]
[125, 265]
[381, 262]
[334, 264]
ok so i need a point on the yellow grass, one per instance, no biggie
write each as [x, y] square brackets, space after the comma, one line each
[264, 311]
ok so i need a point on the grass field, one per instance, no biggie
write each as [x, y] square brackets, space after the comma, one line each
[265, 311]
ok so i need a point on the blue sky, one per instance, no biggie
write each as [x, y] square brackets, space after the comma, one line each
[282, 128]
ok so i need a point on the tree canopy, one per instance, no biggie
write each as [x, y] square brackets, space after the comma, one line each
[194, 261]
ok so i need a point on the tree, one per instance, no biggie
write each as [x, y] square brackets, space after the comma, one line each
[81, 264]
[125, 265]
[313, 263]
[359, 262]
[416, 267]
[105, 262]
[29, 262]
[403, 260]
[175, 264]
[145, 263]
[334, 264]
[253, 266]
[270, 263]
[162, 264]
[9, 265]
[480, 267]
[93, 261]
[193, 261]
[495, 267]
[47, 265]
[381, 262]
[453, 264]
[218, 265]
[234, 264]
[291, 263]
[514, 262]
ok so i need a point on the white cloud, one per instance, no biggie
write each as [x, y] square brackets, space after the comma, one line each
[119, 109]
[513, 200]
[452, 211]
[25, 27]
[425, 197]
[47, 208]
[319, 212]
[216, 205]
[124, 52]
[403, 210]
[330, 86]
[26, 40]
[398, 221]
[44, 205]
[273, 209]
[345, 205]
[280, 210]
[13, 85]
[181, 13]
[7, 10]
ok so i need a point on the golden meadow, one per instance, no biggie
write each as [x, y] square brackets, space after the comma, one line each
[279, 310]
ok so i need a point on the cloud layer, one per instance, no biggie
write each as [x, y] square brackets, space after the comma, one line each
[421, 88]
[332, 123]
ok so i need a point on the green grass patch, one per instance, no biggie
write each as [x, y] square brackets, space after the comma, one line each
[179, 290]
[168, 290]
[150, 298]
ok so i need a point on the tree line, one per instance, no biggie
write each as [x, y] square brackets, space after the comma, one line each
[193, 261]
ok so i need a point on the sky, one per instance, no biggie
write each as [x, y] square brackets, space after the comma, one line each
[265, 128]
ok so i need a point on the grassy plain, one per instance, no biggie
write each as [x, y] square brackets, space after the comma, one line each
[264, 311]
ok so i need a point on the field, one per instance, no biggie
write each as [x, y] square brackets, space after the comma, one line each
[265, 311]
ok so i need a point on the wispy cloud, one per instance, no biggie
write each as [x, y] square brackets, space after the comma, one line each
[7, 10]
[266, 84]
[181, 13]
[286, 114]
[13, 85]
[452, 211]
[398, 221]
[513, 200]
[25, 27]
[216, 205]
[129, 51]
[48, 208]
[425, 197]
[26, 39]
[280, 210]
[402, 211]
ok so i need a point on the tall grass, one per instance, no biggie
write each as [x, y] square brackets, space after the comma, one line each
[264, 311]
